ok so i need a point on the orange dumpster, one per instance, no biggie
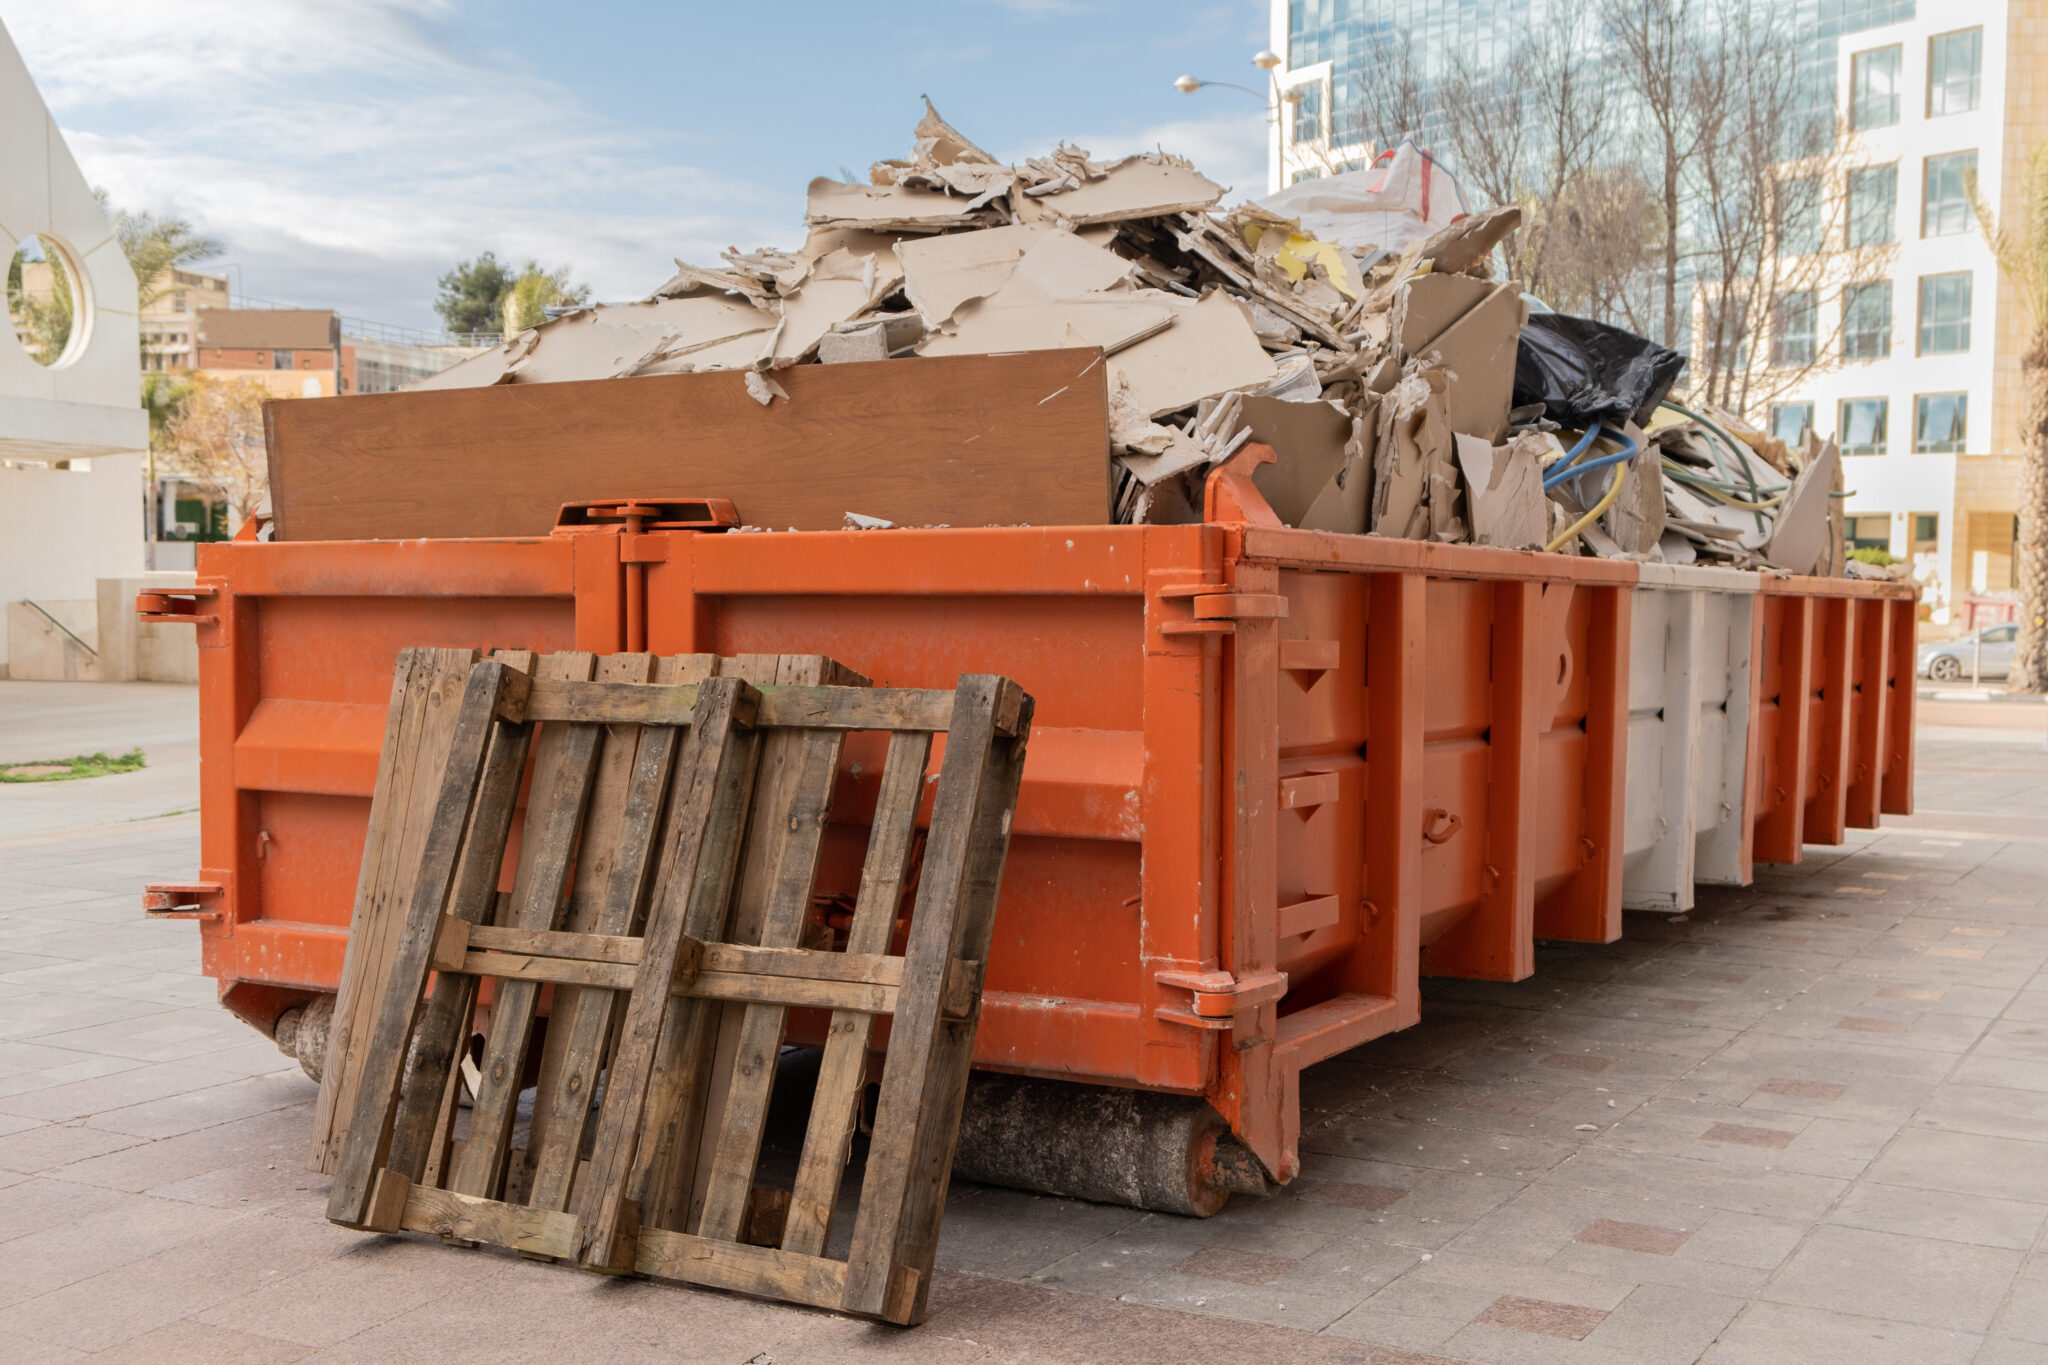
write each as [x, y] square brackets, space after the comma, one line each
[1276, 775]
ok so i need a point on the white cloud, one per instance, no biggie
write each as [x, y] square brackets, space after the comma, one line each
[349, 154]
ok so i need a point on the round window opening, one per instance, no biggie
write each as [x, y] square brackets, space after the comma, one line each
[46, 301]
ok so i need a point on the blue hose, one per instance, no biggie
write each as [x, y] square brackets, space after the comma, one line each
[1569, 470]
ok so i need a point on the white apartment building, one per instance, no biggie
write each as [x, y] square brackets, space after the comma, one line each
[1918, 349]
[1912, 343]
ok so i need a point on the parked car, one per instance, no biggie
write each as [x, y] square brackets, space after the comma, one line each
[1948, 660]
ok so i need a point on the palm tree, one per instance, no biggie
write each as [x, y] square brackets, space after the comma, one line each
[156, 245]
[2022, 252]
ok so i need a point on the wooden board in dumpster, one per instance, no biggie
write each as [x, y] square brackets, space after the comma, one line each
[968, 440]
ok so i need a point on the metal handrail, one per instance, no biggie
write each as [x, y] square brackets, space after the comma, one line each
[61, 626]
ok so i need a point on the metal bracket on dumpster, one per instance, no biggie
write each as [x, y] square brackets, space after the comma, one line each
[175, 606]
[1218, 996]
[630, 516]
[1216, 609]
[182, 900]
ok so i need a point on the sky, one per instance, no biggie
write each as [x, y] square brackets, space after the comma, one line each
[348, 154]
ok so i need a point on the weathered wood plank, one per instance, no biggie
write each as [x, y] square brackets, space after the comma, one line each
[564, 768]
[382, 1073]
[440, 1038]
[713, 815]
[516, 1227]
[923, 1082]
[764, 1271]
[426, 687]
[792, 807]
[782, 707]
[843, 1070]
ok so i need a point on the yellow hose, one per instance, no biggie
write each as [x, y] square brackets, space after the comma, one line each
[1613, 492]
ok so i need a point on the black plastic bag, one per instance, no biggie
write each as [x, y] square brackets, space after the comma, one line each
[1583, 371]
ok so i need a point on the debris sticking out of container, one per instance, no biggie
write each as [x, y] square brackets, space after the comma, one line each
[1434, 404]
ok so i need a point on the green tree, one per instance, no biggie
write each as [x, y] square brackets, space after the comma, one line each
[2022, 251]
[156, 244]
[473, 294]
[535, 291]
[40, 301]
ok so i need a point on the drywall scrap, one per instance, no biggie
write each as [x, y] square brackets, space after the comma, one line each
[1352, 324]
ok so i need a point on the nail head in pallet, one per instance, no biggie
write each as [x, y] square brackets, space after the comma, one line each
[663, 885]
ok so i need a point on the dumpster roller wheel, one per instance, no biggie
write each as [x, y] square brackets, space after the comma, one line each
[1141, 1148]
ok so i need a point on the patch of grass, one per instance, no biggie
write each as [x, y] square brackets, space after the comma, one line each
[67, 769]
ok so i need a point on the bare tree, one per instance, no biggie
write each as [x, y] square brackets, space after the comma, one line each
[1671, 64]
[1394, 98]
[1767, 241]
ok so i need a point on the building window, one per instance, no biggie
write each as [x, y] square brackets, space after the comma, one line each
[1308, 113]
[1874, 88]
[280, 360]
[1861, 429]
[1955, 64]
[1799, 216]
[1867, 321]
[1790, 422]
[1873, 205]
[1939, 423]
[1945, 194]
[1792, 329]
[1926, 528]
[1945, 314]
[1869, 532]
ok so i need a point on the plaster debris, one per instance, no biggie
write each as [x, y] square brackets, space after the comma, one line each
[1352, 324]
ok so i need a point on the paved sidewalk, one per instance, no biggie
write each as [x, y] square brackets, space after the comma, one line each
[1806, 1123]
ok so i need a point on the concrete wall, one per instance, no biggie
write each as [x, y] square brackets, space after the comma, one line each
[62, 530]
[137, 651]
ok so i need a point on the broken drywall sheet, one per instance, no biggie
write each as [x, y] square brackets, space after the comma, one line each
[834, 203]
[1636, 520]
[1308, 441]
[1414, 438]
[941, 273]
[1465, 244]
[1060, 265]
[842, 285]
[1135, 187]
[1426, 306]
[1210, 349]
[1798, 539]
[484, 368]
[1112, 321]
[1479, 351]
[1504, 488]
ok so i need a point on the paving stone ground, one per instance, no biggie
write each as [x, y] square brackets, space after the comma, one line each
[1806, 1123]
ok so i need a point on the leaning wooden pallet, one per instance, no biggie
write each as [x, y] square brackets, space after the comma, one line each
[662, 887]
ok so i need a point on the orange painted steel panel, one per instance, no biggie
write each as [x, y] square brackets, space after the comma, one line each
[1276, 775]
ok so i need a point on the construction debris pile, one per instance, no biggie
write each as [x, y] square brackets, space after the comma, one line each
[1351, 324]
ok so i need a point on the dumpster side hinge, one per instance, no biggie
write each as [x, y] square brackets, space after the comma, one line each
[182, 900]
[1216, 609]
[1218, 996]
[176, 606]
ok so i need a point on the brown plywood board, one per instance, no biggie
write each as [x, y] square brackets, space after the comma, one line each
[958, 440]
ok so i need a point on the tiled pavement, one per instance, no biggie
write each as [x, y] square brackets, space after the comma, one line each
[1807, 1123]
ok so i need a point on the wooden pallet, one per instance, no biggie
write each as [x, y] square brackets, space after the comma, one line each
[662, 889]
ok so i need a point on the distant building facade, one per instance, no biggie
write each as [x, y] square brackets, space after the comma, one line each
[1915, 361]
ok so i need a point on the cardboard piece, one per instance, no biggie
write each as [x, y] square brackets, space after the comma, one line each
[1426, 306]
[1479, 352]
[1346, 499]
[1504, 487]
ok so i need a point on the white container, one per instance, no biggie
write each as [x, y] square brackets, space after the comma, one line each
[1688, 734]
